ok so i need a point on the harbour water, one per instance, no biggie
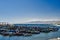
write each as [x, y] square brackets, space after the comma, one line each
[41, 36]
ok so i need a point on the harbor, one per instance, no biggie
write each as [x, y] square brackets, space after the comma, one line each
[24, 29]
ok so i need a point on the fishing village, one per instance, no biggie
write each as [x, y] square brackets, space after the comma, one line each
[23, 30]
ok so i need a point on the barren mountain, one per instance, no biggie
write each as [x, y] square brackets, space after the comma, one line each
[44, 22]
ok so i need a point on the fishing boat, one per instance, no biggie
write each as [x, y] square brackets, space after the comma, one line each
[27, 34]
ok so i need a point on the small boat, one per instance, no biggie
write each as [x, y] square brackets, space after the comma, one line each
[45, 31]
[17, 34]
[27, 34]
[4, 33]
[35, 32]
[53, 29]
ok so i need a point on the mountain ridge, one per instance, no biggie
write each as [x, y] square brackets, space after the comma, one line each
[44, 22]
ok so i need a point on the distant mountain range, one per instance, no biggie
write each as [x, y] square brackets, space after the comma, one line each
[44, 22]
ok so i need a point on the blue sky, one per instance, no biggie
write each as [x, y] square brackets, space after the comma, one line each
[22, 10]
